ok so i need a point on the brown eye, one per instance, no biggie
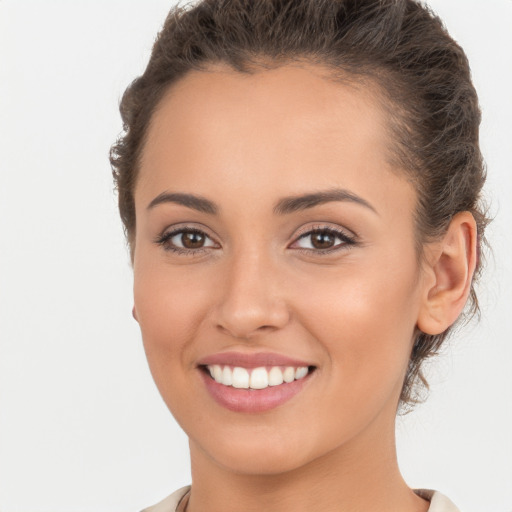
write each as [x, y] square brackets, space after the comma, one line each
[192, 240]
[322, 240]
[186, 241]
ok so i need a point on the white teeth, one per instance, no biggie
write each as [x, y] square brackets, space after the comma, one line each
[240, 378]
[227, 376]
[217, 373]
[301, 372]
[258, 378]
[275, 376]
[289, 374]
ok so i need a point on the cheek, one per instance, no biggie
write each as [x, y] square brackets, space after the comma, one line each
[365, 319]
[171, 306]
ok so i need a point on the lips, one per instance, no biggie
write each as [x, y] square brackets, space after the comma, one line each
[259, 382]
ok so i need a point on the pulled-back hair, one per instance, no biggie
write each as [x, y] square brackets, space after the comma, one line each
[398, 46]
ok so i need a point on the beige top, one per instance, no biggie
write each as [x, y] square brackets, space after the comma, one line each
[438, 502]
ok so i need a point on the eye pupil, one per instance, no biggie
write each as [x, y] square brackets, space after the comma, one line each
[322, 240]
[192, 240]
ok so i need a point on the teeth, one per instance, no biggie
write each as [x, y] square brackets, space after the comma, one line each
[258, 378]
[217, 373]
[227, 376]
[240, 378]
[300, 373]
[275, 376]
[289, 374]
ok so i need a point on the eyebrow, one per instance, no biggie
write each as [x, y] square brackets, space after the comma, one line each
[198, 203]
[284, 206]
[303, 202]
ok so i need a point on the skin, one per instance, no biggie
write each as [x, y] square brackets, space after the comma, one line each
[245, 142]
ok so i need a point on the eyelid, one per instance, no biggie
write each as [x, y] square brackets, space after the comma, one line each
[325, 227]
[187, 226]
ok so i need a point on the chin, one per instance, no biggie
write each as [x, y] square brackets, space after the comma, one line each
[263, 461]
[262, 452]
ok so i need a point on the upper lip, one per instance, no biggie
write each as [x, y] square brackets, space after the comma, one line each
[248, 360]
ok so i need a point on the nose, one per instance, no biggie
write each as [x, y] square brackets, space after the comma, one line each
[251, 298]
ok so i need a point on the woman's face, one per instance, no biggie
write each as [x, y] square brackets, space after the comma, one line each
[272, 236]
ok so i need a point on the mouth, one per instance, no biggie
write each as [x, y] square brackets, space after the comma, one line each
[258, 378]
[253, 383]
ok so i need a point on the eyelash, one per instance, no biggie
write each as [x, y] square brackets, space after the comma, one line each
[164, 241]
[346, 241]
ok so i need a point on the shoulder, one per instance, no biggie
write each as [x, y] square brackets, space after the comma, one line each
[170, 503]
[438, 502]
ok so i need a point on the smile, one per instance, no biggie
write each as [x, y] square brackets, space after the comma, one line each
[253, 382]
[256, 378]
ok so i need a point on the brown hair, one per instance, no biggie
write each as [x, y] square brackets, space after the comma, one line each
[398, 45]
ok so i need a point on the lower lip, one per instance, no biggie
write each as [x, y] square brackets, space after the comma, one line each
[253, 400]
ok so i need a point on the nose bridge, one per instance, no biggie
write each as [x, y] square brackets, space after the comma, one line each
[252, 299]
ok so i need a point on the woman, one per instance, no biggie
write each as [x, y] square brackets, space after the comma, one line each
[299, 183]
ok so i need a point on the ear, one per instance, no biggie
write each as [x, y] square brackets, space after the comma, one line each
[134, 313]
[448, 274]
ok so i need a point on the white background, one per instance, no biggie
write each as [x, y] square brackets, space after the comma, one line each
[82, 426]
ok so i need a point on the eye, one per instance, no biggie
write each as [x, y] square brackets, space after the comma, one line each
[323, 240]
[186, 240]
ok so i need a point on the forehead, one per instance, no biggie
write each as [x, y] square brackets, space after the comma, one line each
[301, 98]
[292, 125]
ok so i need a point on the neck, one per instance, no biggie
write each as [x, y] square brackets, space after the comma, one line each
[360, 475]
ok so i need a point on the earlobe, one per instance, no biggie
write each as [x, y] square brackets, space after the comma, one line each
[450, 270]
